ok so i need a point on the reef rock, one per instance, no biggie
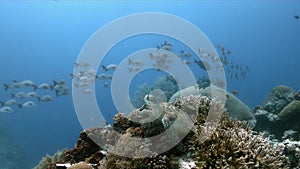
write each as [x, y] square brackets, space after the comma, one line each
[291, 113]
[279, 97]
[235, 107]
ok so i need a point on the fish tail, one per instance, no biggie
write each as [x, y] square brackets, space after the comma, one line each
[1, 103]
[20, 106]
[12, 95]
[56, 93]
[34, 87]
[51, 87]
[129, 61]
[39, 99]
[6, 86]
[55, 83]
[129, 70]
[104, 68]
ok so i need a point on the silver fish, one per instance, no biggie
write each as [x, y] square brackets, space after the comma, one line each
[27, 104]
[44, 86]
[46, 98]
[32, 95]
[20, 95]
[111, 67]
[6, 109]
[13, 85]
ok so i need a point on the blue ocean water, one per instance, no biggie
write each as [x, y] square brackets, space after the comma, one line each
[40, 41]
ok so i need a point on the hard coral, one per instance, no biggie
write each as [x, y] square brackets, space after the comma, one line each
[232, 144]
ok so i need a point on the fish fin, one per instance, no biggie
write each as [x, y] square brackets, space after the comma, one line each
[76, 64]
[6, 86]
[54, 83]
[104, 68]
[12, 95]
[56, 93]
[129, 61]
[20, 106]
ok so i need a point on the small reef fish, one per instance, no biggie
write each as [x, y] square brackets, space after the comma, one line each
[109, 77]
[187, 62]
[165, 46]
[77, 75]
[90, 72]
[227, 96]
[247, 69]
[203, 65]
[185, 54]
[81, 84]
[111, 67]
[60, 88]
[44, 86]
[46, 98]
[10, 102]
[220, 67]
[59, 82]
[62, 91]
[134, 62]
[235, 92]
[152, 56]
[84, 79]
[88, 91]
[32, 95]
[13, 85]
[83, 64]
[236, 76]
[20, 95]
[28, 83]
[6, 109]
[228, 52]
[297, 17]
[105, 84]
[27, 104]
[134, 69]
[101, 76]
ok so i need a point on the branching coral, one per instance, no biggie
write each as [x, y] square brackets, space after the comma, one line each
[232, 144]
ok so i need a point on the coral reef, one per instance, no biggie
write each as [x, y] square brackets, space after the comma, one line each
[279, 114]
[230, 144]
[278, 98]
[291, 112]
[47, 160]
[235, 107]
[292, 151]
[236, 146]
